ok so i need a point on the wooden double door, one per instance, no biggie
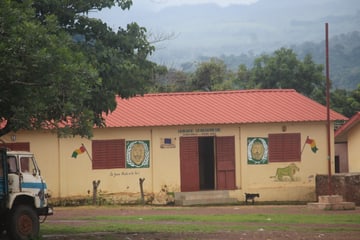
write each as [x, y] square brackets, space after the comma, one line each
[207, 163]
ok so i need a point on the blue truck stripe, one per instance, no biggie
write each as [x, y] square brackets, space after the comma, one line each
[33, 185]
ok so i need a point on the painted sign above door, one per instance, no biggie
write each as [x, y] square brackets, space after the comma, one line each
[198, 131]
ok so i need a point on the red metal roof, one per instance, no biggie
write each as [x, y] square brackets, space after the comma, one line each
[222, 107]
[341, 133]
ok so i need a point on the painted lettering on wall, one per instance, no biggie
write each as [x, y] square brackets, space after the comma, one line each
[198, 131]
[124, 173]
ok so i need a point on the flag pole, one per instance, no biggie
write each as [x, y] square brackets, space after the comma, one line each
[304, 145]
[328, 106]
[86, 152]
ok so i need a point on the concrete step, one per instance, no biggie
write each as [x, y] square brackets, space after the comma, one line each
[206, 201]
[203, 198]
[332, 202]
[332, 206]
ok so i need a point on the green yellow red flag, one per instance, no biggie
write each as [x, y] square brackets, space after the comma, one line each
[78, 151]
[312, 144]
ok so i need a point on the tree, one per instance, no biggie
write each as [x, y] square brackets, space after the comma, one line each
[61, 70]
[339, 101]
[212, 75]
[284, 70]
[242, 80]
[171, 80]
[346, 102]
[355, 100]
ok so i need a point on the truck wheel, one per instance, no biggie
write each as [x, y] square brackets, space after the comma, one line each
[24, 223]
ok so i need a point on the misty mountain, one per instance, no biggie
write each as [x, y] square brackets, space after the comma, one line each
[344, 59]
[208, 29]
[239, 33]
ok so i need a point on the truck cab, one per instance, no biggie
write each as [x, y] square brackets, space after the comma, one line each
[23, 194]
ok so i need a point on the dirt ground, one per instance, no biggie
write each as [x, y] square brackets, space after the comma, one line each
[294, 232]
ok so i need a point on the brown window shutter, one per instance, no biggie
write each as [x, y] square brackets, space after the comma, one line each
[108, 154]
[284, 147]
[19, 146]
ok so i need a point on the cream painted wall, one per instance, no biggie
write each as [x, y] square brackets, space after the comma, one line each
[353, 149]
[68, 177]
[261, 178]
[79, 175]
[255, 178]
[165, 161]
[45, 147]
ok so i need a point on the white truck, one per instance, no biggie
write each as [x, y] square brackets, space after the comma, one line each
[23, 195]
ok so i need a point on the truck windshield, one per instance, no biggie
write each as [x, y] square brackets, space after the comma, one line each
[12, 164]
[27, 165]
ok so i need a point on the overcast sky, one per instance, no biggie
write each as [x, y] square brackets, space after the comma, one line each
[234, 26]
[156, 4]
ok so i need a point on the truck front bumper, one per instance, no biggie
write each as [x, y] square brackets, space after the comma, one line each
[46, 211]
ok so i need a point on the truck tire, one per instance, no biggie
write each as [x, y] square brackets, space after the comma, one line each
[24, 223]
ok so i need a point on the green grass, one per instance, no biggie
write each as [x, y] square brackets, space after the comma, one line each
[253, 218]
[209, 223]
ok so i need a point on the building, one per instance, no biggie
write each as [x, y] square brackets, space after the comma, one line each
[271, 142]
[347, 140]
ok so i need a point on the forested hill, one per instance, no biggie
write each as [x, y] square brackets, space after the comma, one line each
[344, 58]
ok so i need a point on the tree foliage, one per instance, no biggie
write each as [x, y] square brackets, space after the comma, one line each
[171, 80]
[212, 75]
[281, 69]
[346, 102]
[61, 70]
[284, 70]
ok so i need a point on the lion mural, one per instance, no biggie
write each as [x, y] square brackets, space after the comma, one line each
[288, 171]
